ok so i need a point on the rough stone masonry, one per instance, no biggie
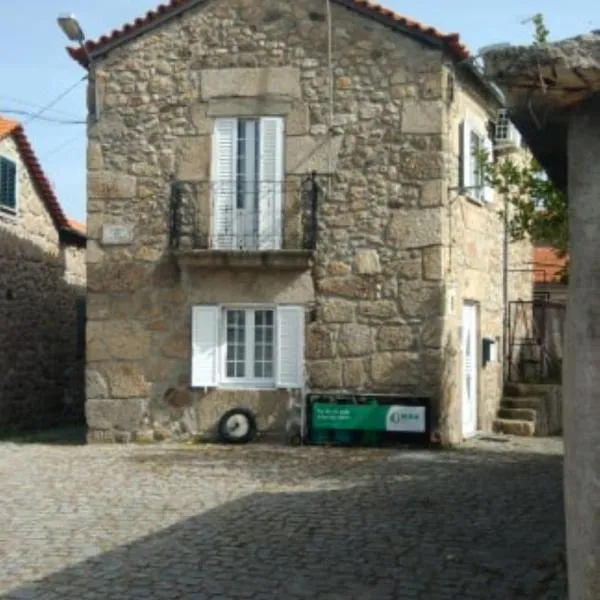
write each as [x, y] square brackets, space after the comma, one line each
[377, 294]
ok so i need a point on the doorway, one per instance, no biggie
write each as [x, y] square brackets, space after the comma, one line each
[469, 369]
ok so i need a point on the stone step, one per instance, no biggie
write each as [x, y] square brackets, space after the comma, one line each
[520, 402]
[512, 427]
[517, 414]
[513, 389]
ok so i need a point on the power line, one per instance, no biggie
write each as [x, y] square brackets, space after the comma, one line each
[55, 101]
[10, 111]
[61, 146]
[13, 99]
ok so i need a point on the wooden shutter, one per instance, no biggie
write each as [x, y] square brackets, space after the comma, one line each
[290, 347]
[224, 173]
[488, 191]
[8, 184]
[466, 174]
[205, 345]
[270, 201]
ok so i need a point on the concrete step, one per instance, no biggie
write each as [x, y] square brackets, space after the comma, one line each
[513, 427]
[520, 402]
[517, 414]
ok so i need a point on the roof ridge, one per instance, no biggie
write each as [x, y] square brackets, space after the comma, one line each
[452, 40]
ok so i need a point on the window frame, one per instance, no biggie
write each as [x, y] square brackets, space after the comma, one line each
[478, 194]
[5, 210]
[476, 181]
[267, 192]
[246, 382]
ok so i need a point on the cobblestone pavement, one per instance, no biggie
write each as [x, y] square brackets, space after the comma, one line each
[262, 522]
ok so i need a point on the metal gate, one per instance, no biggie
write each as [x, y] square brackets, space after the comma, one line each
[535, 340]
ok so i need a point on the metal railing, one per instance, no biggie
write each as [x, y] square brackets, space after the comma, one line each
[244, 214]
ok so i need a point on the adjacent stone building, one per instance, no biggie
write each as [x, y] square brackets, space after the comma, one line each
[266, 219]
[42, 294]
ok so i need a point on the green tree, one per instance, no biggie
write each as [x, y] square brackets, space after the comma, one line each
[539, 208]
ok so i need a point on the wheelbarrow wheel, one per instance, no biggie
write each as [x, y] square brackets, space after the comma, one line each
[237, 426]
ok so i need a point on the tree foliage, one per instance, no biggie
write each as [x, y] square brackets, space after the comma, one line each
[539, 209]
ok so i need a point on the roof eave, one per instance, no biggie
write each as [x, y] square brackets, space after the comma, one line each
[105, 44]
[430, 36]
[542, 85]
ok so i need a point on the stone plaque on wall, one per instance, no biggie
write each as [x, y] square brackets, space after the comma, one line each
[117, 235]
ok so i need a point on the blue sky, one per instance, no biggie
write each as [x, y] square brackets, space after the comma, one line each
[35, 69]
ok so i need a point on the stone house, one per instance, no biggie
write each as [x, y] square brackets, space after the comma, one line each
[42, 294]
[222, 273]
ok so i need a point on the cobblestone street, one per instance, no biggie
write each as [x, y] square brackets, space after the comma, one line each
[263, 522]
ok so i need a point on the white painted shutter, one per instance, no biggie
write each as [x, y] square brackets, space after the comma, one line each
[290, 347]
[224, 172]
[270, 199]
[488, 190]
[205, 345]
[466, 158]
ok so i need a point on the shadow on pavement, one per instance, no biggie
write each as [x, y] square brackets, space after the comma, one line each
[71, 435]
[434, 526]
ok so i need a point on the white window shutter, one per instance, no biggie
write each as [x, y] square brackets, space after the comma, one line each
[205, 345]
[467, 159]
[488, 190]
[290, 347]
[271, 183]
[224, 173]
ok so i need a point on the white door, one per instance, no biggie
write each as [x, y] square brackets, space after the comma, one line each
[469, 369]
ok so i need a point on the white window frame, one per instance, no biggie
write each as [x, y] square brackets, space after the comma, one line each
[247, 382]
[269, 225]
[480, 194]
[5, 210]
[208, 348]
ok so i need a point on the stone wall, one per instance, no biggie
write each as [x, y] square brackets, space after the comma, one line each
[40, 282]
[473, 234]
[375, 291]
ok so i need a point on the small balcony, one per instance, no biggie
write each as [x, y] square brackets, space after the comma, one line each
[245, 223]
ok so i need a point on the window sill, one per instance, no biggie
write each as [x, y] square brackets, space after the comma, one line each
[8, 214]
[293, 260]
[240, 387]
[476, 201]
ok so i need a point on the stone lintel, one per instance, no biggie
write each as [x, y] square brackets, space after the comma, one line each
[264, 105]
[243, 82]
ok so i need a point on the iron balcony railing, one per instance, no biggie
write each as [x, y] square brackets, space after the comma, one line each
[245, 214]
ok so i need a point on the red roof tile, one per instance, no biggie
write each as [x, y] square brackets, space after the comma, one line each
[16, 130]
[7, 126]
[451, 40]
[77, 226]
[547, 264]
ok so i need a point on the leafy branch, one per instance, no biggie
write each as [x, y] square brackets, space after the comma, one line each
[539, 209]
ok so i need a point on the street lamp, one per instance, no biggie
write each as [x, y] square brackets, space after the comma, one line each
[72, 29]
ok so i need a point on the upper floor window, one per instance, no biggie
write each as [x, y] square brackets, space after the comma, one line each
[472, 178]
[248, 183]
[8, 185]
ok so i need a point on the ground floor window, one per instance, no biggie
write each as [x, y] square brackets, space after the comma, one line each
[248, 346]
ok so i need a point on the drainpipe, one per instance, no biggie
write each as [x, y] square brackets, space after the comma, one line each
[505, 315]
